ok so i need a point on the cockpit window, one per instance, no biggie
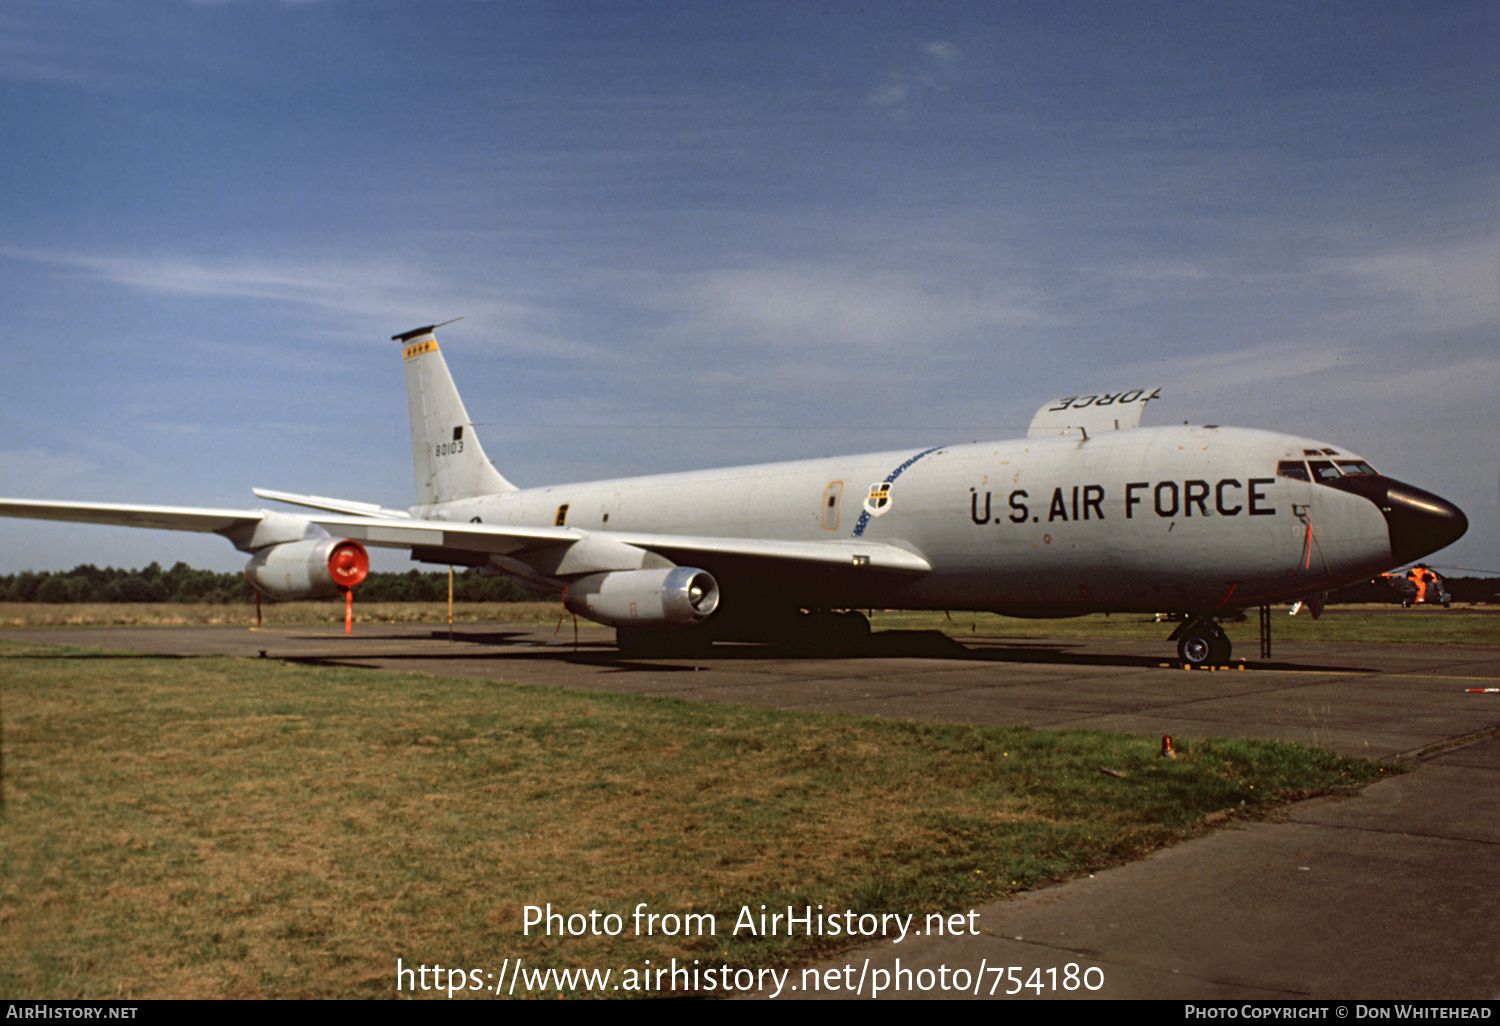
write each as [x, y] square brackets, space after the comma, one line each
[1324, 470]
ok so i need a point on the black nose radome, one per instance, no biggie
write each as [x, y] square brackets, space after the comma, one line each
[1419, 522]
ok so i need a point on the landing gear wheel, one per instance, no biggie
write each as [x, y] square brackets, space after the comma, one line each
[1195, 649]
[1204, 645]
[1222, 649]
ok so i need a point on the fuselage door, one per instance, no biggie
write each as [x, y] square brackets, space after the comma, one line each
[832, 496]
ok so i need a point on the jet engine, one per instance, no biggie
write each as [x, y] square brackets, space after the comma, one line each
[677, 597]
[308, 569]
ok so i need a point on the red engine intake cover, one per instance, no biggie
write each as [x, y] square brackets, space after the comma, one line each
[348, 564]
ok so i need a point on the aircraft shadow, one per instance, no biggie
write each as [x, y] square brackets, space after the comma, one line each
[880, 645]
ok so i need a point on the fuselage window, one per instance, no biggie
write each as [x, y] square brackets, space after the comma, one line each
[562, 516]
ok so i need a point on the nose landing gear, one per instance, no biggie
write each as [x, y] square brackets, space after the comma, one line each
[1201, 642]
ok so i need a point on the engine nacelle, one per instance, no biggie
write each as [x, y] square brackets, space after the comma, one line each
[676, 597]
[312, 568]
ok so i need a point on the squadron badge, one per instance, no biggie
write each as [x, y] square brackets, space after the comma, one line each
[879, 499]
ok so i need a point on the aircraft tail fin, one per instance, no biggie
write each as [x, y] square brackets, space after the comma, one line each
[450, 462]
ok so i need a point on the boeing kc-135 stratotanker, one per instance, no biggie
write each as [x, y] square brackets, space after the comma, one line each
[1089, 513]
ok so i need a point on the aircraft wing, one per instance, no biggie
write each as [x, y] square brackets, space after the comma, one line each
[250, 529]
[546, 551]
[579, 551]
[879, 555]
[167, 518]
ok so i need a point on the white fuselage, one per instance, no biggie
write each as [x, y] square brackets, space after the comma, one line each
[1150, 519]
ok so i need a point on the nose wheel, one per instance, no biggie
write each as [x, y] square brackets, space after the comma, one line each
[1202, 643]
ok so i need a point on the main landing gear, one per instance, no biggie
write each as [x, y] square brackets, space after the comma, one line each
[1201, 642]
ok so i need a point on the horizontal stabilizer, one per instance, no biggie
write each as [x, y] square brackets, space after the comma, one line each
[1087, 415]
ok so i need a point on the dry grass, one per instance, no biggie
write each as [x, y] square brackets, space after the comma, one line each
[178, 614]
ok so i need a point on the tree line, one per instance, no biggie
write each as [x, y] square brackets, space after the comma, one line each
[88, 583]
[182, 583]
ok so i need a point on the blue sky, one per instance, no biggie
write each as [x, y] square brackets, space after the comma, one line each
[695, 234]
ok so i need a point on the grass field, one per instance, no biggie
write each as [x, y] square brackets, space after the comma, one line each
[170, 614]
[232, 828]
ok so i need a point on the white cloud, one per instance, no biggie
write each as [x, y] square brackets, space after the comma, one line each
[943, 52]
[933, 72]
[1441, 287]
[891, 94]
[29, 68]
[394, 293]
[1473, 382]
[1226, 370]
[330, 283]
[26, 59]
[41, 472]
[319, 283]
[1160, 270]
[796, 305]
